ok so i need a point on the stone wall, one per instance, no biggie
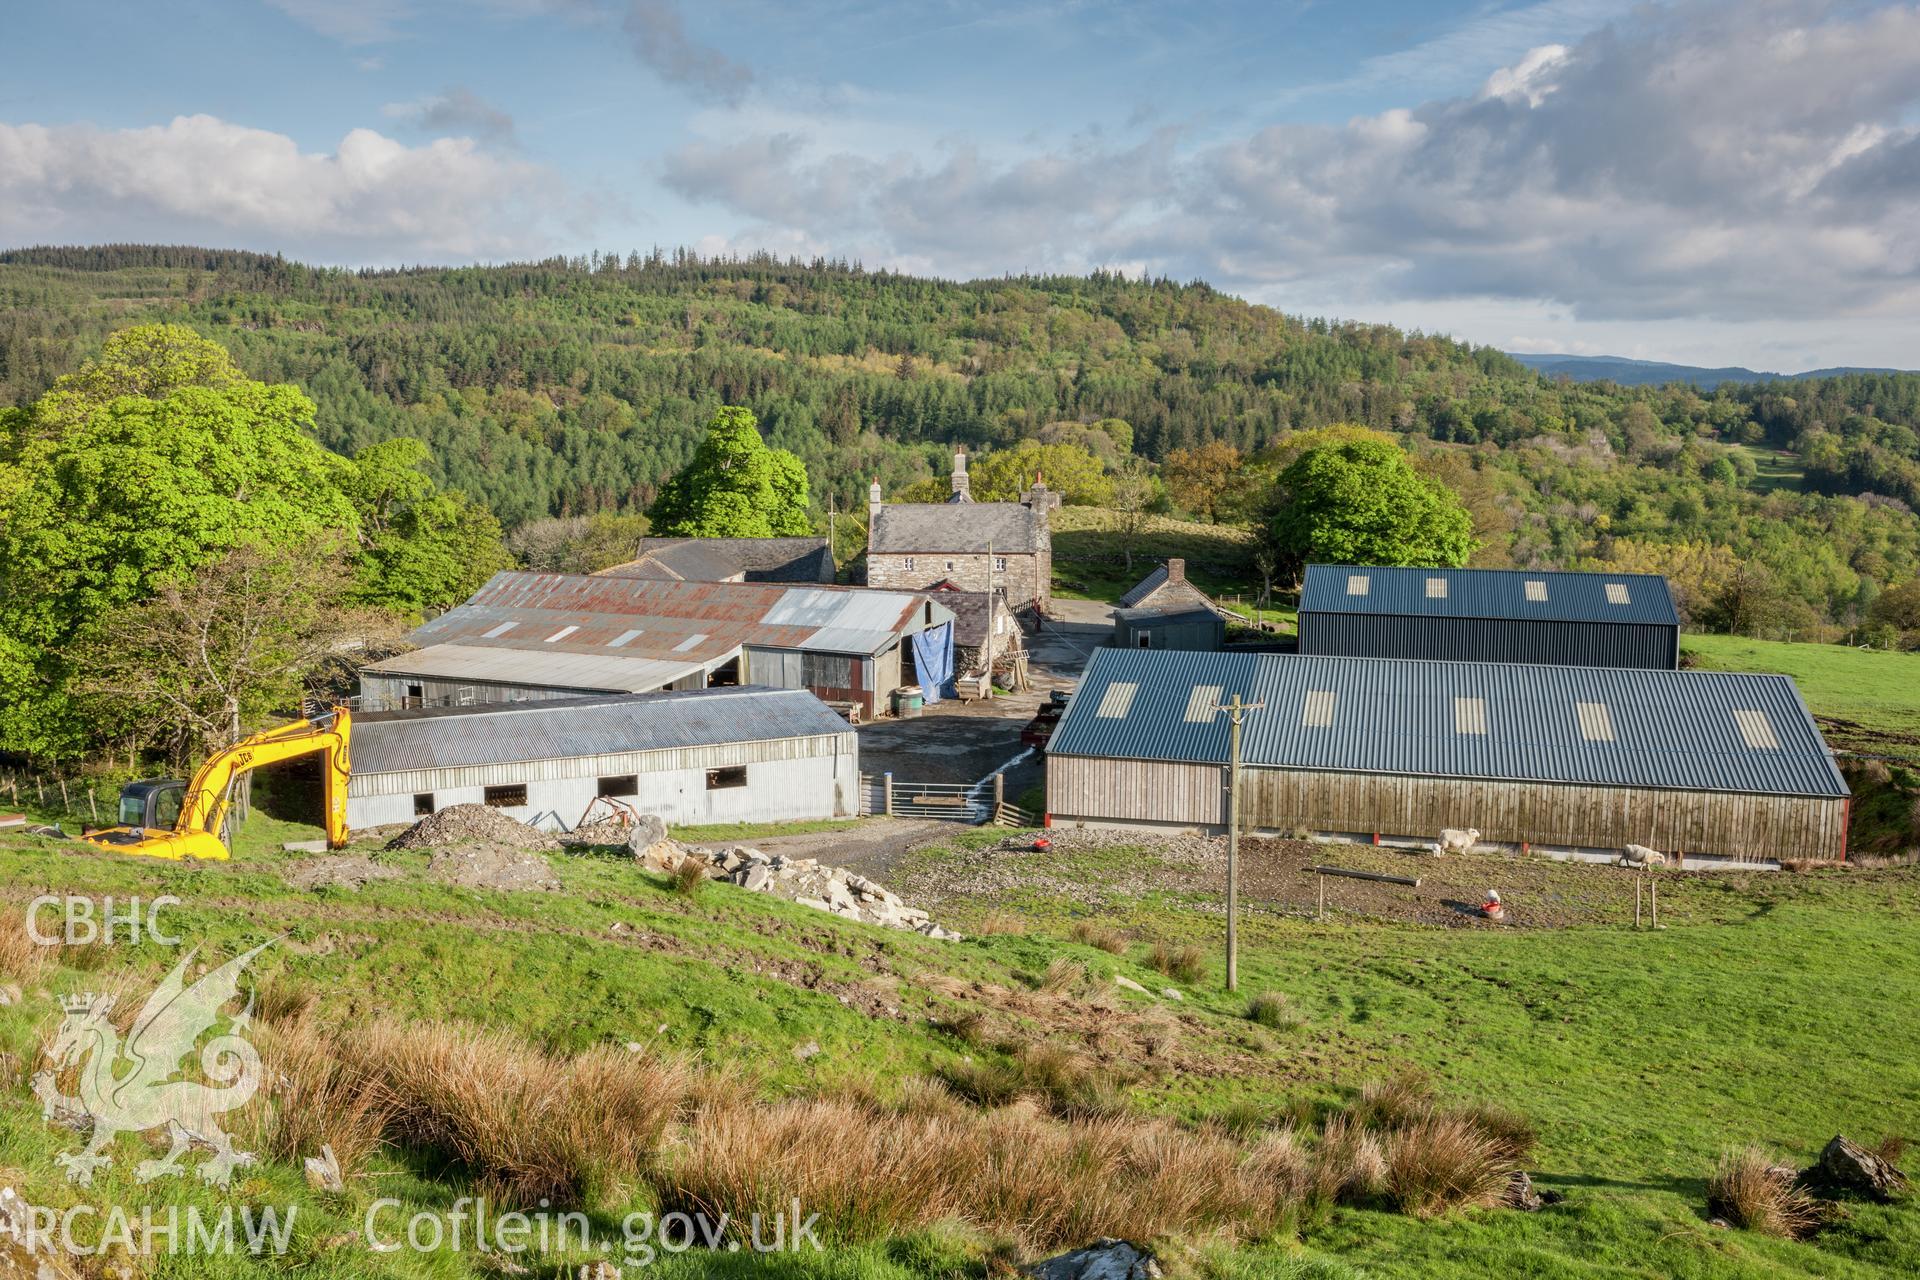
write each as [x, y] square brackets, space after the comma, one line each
[1026, 579]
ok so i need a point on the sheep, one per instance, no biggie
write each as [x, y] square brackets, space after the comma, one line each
[1638, 855]
[1455, 840]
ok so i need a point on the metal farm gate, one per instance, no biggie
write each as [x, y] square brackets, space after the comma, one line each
[953, 801]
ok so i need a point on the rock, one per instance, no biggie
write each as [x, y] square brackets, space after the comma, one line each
[1104, 1259]
[1123, 981]
[647, 832]
[1521, 1195]
[1171, 994]
[323, 1171]
[303, 846]
[1846, 1166]
[1721, 1223]
[666, 856]
[809, 1050]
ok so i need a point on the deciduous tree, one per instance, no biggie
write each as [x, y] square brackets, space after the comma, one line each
[735, 487]
[1208, 480]
[1133, 495]
[219, 648]
[1362, 503]
[1004, 475]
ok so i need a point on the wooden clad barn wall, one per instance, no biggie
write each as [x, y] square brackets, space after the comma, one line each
[1748, 826]
[1550, 813]
[1136, 790]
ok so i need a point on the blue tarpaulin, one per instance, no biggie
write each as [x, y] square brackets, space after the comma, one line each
[933, 658]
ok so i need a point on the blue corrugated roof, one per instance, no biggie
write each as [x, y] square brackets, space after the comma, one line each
[1669, 729]
[1490, 593]
[567, 727]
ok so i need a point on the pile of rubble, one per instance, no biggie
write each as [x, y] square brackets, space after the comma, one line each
[473, 824]
[801, 880]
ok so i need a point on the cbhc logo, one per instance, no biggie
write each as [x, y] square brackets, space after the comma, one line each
[84, 922]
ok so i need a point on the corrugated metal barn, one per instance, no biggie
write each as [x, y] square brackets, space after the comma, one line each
[1706, 762]
[715, 755]
[1490, 615]
[528, 636]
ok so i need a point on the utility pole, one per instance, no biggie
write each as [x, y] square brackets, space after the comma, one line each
[1236, 713]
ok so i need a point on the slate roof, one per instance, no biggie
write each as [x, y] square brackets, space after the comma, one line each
[1157, 593]
[931, 528]
[1489, 593]
[1602, 726]
[563, 728]
[972, 613]
[717, 559]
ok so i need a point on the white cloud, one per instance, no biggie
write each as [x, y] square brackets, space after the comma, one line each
[348, 21]
[204, 180]
[1731, 162]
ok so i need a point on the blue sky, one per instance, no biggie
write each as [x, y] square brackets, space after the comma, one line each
[1703, 181]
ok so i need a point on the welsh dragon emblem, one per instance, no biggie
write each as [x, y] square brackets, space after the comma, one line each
[130, 1086]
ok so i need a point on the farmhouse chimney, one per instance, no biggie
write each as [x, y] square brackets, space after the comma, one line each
[1176, 570]
[962, 486]
[874, 501]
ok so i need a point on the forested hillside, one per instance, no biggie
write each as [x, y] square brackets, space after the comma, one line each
[570, 387]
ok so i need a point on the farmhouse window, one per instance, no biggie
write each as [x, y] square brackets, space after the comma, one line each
[625, 784]
[513, 796]
[423, 805]
[731, 776]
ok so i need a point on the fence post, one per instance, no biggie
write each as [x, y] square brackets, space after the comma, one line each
[999, 791]
[886, 792]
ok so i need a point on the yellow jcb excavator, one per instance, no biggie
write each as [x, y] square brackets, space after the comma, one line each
[167, 818]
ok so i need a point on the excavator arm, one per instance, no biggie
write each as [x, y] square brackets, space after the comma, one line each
[203, 813]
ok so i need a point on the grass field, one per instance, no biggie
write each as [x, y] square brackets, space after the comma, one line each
[1772, 1010]
[1774, 469]
[1089, 561]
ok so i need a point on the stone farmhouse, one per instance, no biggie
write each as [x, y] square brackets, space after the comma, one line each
[1004, 547]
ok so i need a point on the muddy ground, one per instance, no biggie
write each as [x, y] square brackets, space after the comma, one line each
[1275, 877]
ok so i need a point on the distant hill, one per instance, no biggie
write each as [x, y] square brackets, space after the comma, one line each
[1653, 373]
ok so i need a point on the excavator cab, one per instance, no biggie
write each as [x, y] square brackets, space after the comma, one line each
[168, 818]
[154, 804]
